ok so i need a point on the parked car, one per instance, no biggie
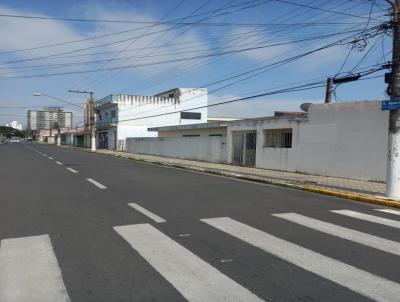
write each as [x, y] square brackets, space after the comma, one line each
[15, 140]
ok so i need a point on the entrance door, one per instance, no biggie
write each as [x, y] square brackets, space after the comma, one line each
[103, 140]
[250, 150]
[237, 145]
[244, 148]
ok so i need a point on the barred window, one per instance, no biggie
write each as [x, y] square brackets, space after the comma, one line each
[278, 138]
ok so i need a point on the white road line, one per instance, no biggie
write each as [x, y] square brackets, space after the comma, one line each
[72, 170]
[376, 242]
[390, 211]
[194, 278]
[358, 280]
[50, 157]
[370, 218]
[96, 183]
[29, 271]
[44, 154]
[149, 214]
[59, 163]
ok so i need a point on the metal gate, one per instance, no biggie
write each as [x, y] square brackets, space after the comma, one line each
[103, 140]
[244, 148]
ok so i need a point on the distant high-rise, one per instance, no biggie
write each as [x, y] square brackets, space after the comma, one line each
[49, 118]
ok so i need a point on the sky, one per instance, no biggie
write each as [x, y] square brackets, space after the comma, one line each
[234, 48]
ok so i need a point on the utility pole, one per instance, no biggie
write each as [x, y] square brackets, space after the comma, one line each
[58, 126]
[329, 90]
[92, 125]
[393, 160]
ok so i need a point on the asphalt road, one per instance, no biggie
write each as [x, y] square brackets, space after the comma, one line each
[78, 226]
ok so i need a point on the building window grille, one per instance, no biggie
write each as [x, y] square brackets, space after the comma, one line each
[278, 138]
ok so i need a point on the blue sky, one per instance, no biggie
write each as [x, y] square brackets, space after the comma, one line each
[151, 44]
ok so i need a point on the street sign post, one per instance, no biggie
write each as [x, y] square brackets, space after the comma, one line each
[390, 105]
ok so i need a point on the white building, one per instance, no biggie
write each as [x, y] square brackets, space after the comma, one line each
[347, 139]
[15, 124]
[49, 118]
[122, 116]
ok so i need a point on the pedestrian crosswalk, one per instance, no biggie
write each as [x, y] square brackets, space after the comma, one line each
[194, 278]
[29, 269]
[346, 275]
[370, 218]
[344, 233]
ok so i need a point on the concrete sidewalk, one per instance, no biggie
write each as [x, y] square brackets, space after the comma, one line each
[368, 191]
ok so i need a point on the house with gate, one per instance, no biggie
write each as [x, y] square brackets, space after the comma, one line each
[335, 139]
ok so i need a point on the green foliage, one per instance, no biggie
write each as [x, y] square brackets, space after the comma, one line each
[9, 132]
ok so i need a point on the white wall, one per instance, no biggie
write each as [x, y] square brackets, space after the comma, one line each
[210, 149]
[342, 140]
[345, 140]
[135, 110]
[268, 158]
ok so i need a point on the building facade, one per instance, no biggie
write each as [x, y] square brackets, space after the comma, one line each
[48, 118]
[122, 116]
[347, 140]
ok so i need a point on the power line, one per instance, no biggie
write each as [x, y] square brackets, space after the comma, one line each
[141, 49]
[262, 69]
[327, 10]
[281, 18]
[165, 61]
[309, 86]
[123, 40]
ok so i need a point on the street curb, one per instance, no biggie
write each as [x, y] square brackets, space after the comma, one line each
[341, 194]
[355, 196]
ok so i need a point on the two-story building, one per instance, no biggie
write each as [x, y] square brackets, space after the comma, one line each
[121, 116]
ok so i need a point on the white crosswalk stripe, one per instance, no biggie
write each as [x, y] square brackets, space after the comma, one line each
[29, 271]
[370, 218]
[358, 280]
[344, 233]
[147, 213]
[390, 211]
[194, 278]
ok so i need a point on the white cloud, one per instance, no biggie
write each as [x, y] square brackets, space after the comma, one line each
[19, 33]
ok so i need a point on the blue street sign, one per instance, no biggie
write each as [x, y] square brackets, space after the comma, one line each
[390, 105]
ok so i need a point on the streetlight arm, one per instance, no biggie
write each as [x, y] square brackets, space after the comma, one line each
[56, 98]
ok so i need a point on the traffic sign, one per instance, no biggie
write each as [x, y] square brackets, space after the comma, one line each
[390, 104]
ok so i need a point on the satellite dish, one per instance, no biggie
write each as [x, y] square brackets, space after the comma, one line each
[305, 106]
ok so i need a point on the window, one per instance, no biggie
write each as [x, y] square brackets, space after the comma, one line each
[113, 113]
[190, 135]
[215, 135]
[100, 116]
[278, 138]
[191, 115]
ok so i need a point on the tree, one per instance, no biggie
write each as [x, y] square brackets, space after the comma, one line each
[9, 132]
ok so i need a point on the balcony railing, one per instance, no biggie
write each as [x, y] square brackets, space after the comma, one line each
[106, 122]
[107, 100]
